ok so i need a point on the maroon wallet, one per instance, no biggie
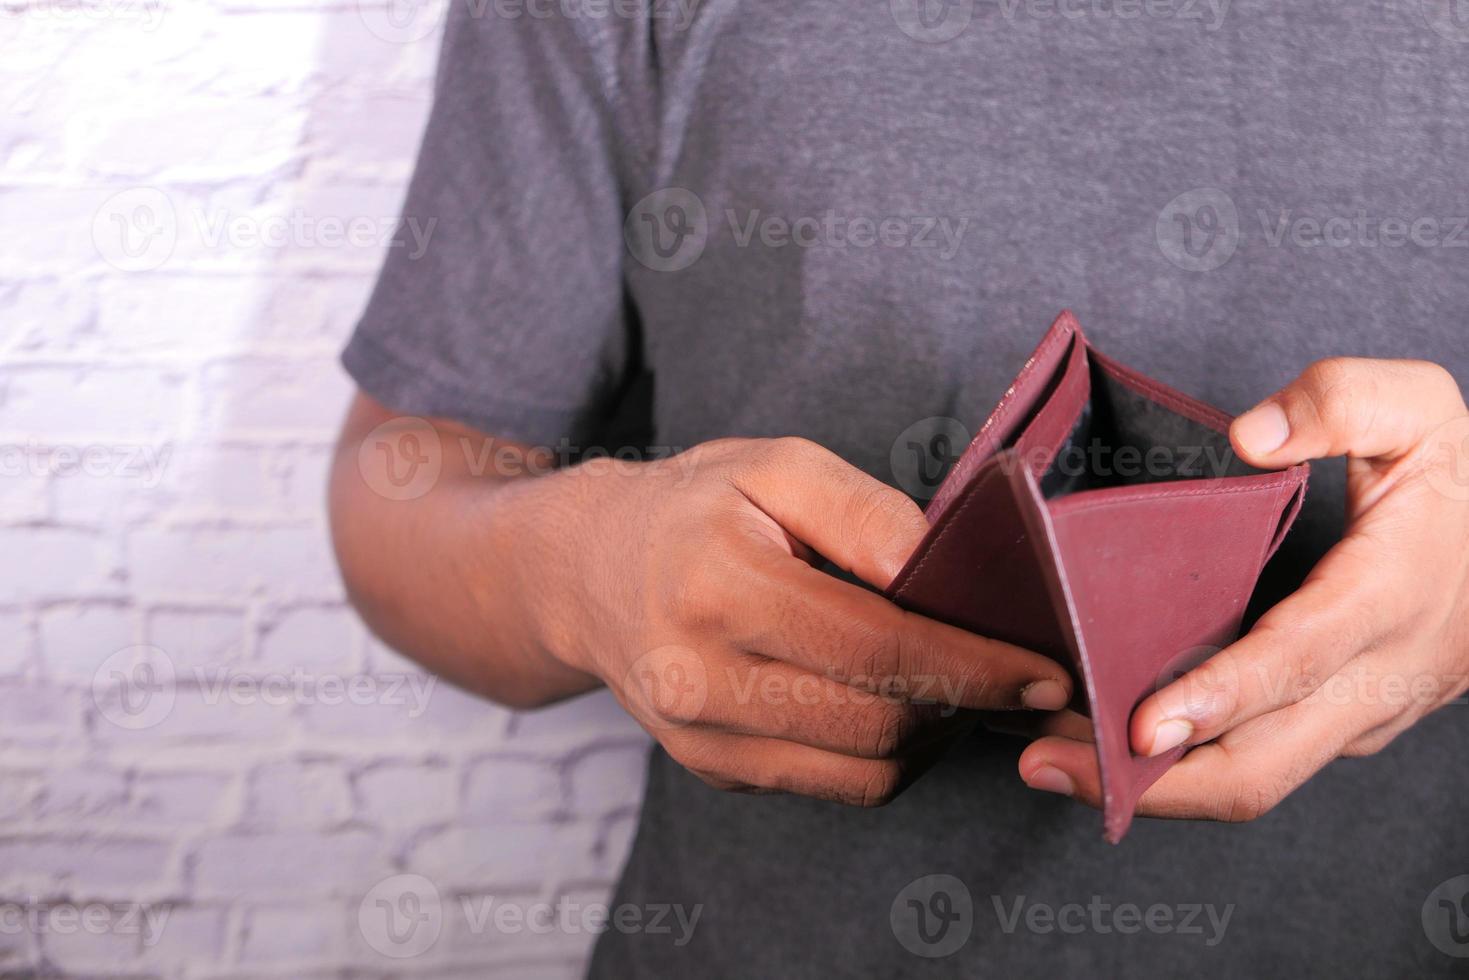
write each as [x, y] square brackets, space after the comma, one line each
[1101, 518]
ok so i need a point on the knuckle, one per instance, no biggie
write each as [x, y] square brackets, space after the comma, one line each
[690, 594]
[886, 731]
[1248, 803]
[879, 785]
[1438, 379]
[873, 505]
[874, 653]
[794, 450]
[1333, 386]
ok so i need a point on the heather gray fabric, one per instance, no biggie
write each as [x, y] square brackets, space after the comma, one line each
[1221, 192]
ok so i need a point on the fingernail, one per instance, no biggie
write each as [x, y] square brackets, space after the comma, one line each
[1262, 429]
[1049, 779]
[1044, 696]
[1170, 734]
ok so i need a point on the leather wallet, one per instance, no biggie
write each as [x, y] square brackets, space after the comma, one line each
[1103, 519]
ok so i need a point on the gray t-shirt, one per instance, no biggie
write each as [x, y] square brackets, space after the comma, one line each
[863, 216]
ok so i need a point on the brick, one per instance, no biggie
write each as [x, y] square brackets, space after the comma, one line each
[609, 780]
[18, 793]
[279, 395]
[77, 638]
[574, 724]
[198, 637]
[299, 794]
[181, 799]
[83, 865]
[35, 712]
[403, 797]
[505, 855]
[190, 935]
[232, 562]
[288, 864]
[73, 793]
[295, 933]
[102, 404]
[505, 787]
[17, 645]
[60, 563]
[320, 640]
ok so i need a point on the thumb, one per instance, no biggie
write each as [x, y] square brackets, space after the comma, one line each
[1348, 406]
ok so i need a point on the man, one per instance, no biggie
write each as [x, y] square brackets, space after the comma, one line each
[776, 236]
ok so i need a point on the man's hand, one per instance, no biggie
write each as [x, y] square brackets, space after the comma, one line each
[1376, 638]
[688, 587]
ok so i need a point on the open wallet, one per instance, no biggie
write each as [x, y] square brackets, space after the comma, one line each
[1103, 519]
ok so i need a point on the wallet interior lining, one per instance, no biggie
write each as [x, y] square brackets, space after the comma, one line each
[1122, 437]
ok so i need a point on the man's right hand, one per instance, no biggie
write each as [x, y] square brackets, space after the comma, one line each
[690, 587]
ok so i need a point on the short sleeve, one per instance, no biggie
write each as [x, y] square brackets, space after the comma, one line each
[501, 303]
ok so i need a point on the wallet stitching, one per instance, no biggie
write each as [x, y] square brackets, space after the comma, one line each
[1003, 410]
[1134, 497]
[950, 518]
[1169, 398]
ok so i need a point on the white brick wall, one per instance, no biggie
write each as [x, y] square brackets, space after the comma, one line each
[168, 397]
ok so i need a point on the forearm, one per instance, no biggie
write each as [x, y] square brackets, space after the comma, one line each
[436, 577]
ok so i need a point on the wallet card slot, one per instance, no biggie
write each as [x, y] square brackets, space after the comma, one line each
[1127, 437]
